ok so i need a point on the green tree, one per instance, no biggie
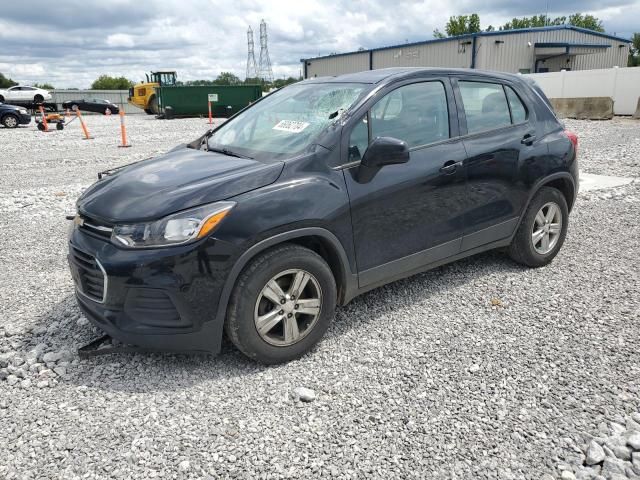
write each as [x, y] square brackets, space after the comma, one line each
[106, 82]
[586, 21]
[576, 19]
[44, 86]
[227, 78]
[460, 25]
[197, 83]
[634, 51]
[282, 82]
[6, 82]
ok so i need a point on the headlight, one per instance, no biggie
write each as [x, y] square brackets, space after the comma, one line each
[176, 229]
[23, 111]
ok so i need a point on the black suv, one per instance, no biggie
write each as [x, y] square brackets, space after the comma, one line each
[12, 115]
[315, 194]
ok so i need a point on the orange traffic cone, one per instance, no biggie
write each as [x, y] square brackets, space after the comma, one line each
[44, 119]
[84, 127]
[123, 130]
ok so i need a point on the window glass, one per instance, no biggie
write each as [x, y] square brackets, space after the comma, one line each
[485, 106]
[358, 140]
[288, 120]
[518, 111]
[415, 113]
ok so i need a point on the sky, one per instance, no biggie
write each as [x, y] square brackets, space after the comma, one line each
[69, 43]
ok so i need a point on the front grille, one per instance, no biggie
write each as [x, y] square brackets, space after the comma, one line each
[88, 275]
[95, 227]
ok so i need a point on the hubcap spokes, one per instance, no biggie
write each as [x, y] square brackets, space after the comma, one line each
[546, 228]
[288, 307]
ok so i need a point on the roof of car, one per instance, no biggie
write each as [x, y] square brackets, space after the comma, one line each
[397, 73]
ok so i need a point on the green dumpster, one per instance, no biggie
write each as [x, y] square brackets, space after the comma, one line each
[193, 101]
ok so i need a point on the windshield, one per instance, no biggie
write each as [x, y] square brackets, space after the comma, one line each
[287, 121]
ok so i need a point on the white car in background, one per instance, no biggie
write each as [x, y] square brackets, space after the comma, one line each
[23, 93]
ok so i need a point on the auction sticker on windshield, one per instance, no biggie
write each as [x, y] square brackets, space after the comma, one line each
[291, 126]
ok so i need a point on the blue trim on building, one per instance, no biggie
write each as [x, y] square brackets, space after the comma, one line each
[473, 36]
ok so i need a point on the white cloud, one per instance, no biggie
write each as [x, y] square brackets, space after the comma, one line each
[64, 43]
[120, 40]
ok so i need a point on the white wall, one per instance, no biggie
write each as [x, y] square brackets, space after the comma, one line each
[621, 84]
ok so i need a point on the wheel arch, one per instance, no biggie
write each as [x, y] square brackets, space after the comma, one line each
[562, 181]
[317, 239]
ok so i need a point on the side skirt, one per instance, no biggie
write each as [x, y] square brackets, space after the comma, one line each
[393, 275]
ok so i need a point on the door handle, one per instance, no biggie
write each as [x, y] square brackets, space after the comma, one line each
[449, 167]
[528, 139]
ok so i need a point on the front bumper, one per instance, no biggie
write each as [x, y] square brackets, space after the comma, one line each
[163, 299]
[24, 119]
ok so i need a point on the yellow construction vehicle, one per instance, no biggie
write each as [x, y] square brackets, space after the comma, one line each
[143, 95]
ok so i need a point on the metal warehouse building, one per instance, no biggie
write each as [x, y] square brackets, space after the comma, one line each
[532, 50]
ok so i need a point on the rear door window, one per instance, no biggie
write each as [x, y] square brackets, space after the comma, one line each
[485, 106]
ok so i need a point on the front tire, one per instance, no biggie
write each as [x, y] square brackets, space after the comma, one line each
[282, 304]
[542, 230]
[2, 98]
[38, 99]
[10, 121]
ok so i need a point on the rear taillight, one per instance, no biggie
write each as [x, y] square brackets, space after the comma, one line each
[573, 137]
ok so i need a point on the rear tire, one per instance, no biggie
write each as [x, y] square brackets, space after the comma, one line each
[148, 112]
[2, 98]
[10, 121]
[59, 126]
[542, 230]
[292, 331]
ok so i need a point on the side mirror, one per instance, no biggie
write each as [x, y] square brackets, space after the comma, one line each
[382, 151]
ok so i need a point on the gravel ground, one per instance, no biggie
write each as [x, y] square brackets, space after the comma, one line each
[479, 369]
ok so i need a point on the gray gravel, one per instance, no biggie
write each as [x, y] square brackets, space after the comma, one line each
[479, 369]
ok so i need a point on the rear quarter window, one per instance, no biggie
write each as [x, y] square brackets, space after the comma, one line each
[518, 110]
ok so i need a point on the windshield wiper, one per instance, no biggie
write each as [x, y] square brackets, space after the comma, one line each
[226, 151]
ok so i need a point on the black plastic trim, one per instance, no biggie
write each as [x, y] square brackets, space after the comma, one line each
[408, 263]
[349, 279]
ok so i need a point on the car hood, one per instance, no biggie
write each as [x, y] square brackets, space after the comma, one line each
[180, 179]
[8, 106]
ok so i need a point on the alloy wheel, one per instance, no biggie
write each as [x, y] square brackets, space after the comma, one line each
[10, 122]
[547, 228]
[288, 307]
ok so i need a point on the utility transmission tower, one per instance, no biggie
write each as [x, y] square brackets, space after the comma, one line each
[252, 68]
[265, 72]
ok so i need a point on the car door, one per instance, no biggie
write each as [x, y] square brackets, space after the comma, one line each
[500, 138]
[26, 93]
[14, 93]
[92, 105]
[408, 215]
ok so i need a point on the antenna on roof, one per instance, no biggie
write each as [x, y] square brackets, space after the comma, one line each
[546, 14]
